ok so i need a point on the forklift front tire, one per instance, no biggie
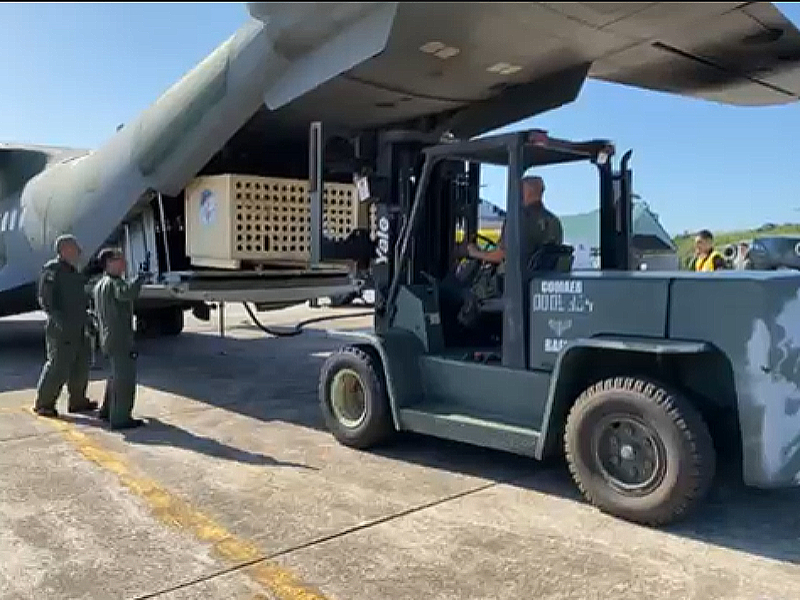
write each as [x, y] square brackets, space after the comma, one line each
[354, 400]
[639, 451]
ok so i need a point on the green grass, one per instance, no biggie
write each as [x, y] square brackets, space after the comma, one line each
[685, 241]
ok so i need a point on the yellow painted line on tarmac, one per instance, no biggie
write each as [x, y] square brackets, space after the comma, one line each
[175, 512]
[16, 409]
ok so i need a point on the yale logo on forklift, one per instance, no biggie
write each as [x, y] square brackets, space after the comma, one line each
[382, 247]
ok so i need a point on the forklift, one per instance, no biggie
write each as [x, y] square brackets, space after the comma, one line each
[621, 372]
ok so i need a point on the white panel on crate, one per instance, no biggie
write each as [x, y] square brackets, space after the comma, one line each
[235, 218]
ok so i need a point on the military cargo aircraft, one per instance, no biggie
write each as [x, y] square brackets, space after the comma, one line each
[357, 68]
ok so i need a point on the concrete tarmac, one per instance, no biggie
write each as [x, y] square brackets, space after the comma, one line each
[235, 490]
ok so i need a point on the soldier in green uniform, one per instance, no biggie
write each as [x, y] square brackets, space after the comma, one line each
[62, 295]
[538, 224]
[538, 227]
[113, 300]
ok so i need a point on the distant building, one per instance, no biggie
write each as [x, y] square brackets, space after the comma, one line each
[653, 247]
[490, 216]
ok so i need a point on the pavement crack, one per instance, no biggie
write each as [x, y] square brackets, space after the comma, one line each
[262, 560]
[29, 436]
[381, 520]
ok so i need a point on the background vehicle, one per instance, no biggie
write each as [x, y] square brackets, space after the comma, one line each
[769, 253]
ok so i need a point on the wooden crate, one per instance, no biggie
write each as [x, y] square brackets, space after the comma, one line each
[232, 219]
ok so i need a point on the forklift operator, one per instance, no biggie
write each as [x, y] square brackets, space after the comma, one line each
[539, 224]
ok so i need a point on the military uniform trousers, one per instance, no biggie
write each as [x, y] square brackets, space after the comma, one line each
[120, 390]
[67, 362]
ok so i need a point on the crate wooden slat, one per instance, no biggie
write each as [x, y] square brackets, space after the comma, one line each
[237, 218]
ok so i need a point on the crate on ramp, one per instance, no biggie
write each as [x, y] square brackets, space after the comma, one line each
[234, 220]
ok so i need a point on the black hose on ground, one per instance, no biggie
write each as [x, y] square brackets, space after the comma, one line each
[298, 327]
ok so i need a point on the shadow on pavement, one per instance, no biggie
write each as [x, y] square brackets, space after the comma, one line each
[22, 354]
[760, 522]
[272, 379]
[159, 433]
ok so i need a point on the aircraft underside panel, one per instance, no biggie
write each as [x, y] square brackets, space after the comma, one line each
[439, 61]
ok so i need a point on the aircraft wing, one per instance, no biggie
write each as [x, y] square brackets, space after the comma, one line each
[473, 67]
[20, 162]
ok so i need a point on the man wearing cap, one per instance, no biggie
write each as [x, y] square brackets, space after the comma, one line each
[538, 224]
[63, 296]
[113, 300]
[538, 227]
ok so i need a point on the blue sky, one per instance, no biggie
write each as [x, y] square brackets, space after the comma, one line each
[73, 72]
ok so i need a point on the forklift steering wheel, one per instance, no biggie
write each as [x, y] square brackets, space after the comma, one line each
[467, 268]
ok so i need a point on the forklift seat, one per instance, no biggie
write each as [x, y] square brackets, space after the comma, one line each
[551, 257]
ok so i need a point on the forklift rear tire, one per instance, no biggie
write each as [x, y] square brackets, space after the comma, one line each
[639, 451]
[354, 400]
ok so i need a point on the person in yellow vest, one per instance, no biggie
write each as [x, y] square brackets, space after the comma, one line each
[705, 257]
